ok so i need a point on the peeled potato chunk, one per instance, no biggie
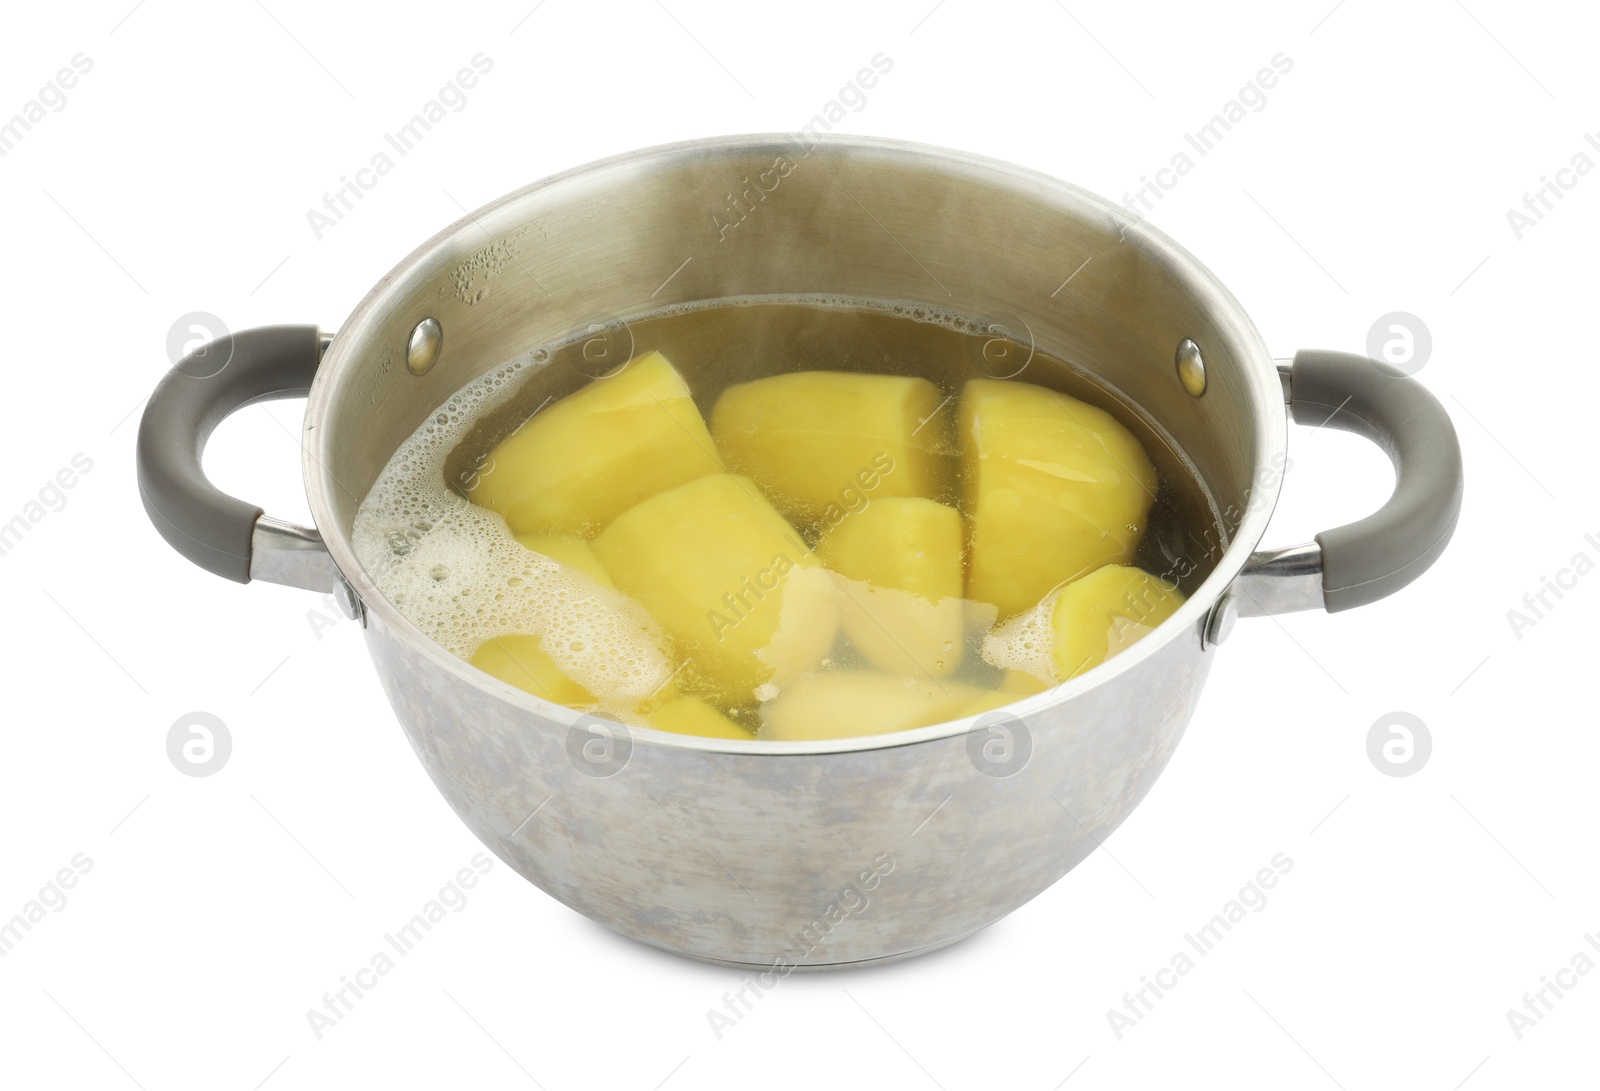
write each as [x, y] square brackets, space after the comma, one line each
[521, 661]
[847, 704]
[589, 457]
[570, 550]
[739, 591]
[1020, 684]
[900, 599]
[1054, 489]
[692, 716]
[1104, 612]
[821, 443]
[988, 701]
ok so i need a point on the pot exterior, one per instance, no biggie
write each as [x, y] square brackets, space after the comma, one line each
[804, 860]
[788, 854]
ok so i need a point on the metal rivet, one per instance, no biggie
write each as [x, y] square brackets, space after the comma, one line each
[1221, 620]
[1191, 368]
[350, 604]
[422, 351]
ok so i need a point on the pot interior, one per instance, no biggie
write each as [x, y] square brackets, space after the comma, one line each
[1040, 262]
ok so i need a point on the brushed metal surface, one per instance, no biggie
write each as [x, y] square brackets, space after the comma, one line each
[737, 857]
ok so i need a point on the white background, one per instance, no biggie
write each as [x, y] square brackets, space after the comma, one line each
[219, 909]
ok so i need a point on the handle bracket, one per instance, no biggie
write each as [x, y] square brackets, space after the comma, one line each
[1280, 581]
[292, 555]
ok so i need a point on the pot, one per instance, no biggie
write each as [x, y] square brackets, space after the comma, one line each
[773, 855]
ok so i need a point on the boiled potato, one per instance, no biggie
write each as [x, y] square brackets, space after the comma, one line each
[592, 455]
[570, 550]
[1020, 684]
[735, 586]
[822, 443]
[987, 701]
[692, 716]
[1054, 488]
[1104, 612]
[522, 662]
[901, 597]
[846, 704]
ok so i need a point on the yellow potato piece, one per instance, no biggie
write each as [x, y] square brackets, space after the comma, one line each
[901, 597]
[1053, 487]
[570, 550]
[522, 662]
[692, 716]
[1104, 612]
[987, 701]
[822, 443]
[1021, 684]
[847, 704]
[906, 543]
[581, 462]
[735, 586]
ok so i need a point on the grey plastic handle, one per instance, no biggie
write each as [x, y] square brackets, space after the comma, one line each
[1374, 557]
[200, 521]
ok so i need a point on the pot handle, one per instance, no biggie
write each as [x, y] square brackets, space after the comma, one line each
[1374, 557]
[216, 531]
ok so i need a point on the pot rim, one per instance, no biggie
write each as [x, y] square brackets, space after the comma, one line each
[1265, 394]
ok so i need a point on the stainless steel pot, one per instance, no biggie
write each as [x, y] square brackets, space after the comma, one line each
[777, 855]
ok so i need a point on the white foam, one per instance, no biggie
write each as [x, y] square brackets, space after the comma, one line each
[455, 571]
[1024, 643]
